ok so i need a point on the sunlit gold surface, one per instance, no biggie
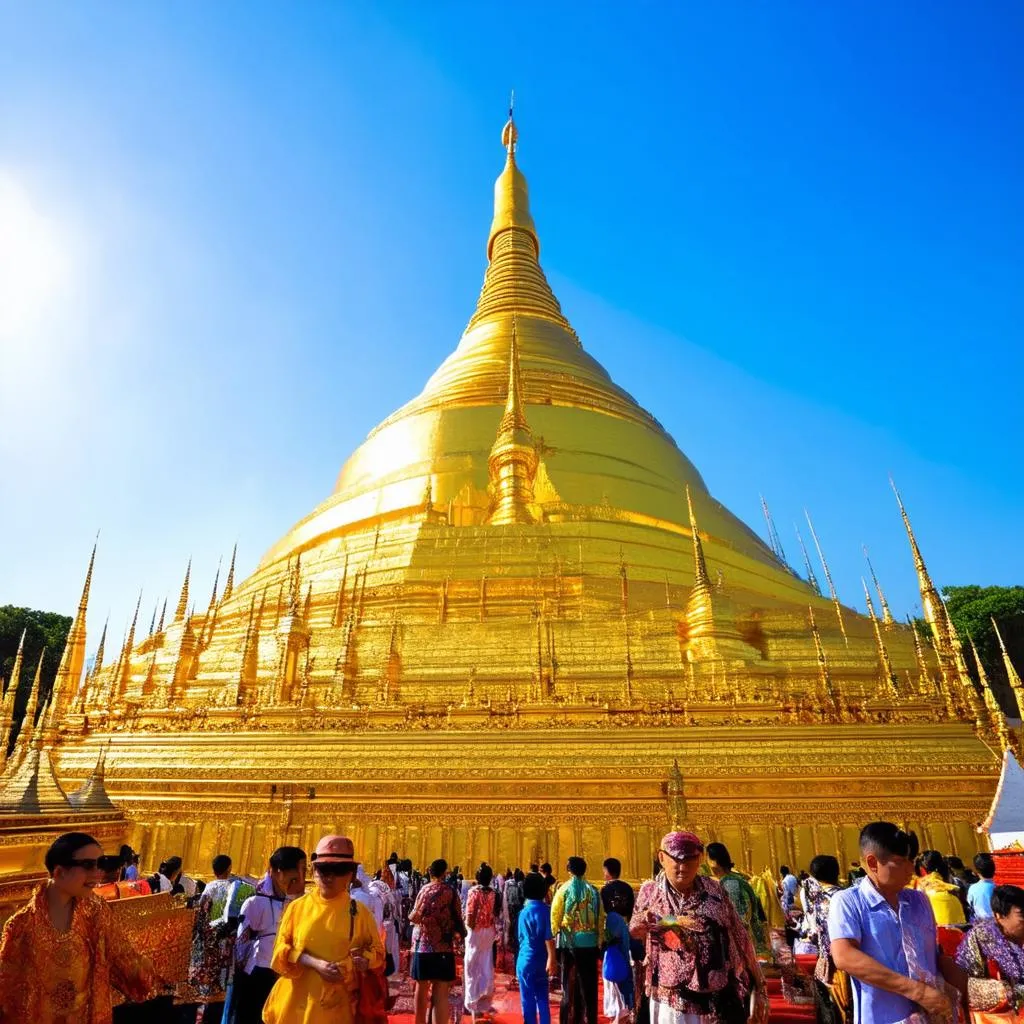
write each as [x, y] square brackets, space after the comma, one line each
[505, 625]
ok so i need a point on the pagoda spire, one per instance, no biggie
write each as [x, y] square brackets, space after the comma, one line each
[229, 585]
[773, 534]
[211, 608]
[125, 663]
[72, 662]
[888, 675]
[152, 620]
[1011, 672]
[991, 702]
[10, 696]
[514, 282]
[28, 721]
[811, 578]
[182, 609]
[824, 675]
[828, 579]
[701, 580]
[887, 620]
[163, 615]
[513, 460]
[931, 603]
[89, 688]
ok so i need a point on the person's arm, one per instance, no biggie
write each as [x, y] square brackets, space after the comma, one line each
[849, 957]
[417, 912]
[557, 909]
[639, 922]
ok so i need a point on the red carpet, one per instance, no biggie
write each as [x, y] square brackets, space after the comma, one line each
[507, 1005]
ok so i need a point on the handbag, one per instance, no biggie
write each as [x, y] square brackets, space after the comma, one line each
[616, 967]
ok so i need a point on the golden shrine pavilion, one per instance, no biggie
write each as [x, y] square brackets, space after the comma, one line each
[521, 628]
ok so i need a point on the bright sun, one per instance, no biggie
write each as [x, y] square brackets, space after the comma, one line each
[33, 261]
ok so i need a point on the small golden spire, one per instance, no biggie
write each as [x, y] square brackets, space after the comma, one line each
[887, 619]
[72, 662]
[991, 702]
[701, 580]
[229, 586]
[824, 675]
[511, 197]
[773, 535]
[1011, 671]
[513, 460]
[828, 579]
[163, 615]
[811, 578]
[182, 609]
[28, 720]
[888, 675]
[125, 663]
[10, 695]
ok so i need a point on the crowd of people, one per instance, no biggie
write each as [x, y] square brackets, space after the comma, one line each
[908, 935]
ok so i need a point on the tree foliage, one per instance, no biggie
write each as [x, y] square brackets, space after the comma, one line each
[42, 629]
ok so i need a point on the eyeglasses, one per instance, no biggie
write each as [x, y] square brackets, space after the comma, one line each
[333, 869]
[85, 863]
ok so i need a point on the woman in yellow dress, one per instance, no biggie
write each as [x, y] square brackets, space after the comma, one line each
[325, 942]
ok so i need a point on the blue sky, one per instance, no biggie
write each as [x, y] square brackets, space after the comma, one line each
[234, 237]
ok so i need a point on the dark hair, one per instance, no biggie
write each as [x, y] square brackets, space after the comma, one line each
[545, 868]
[484, 874]
[221, 863]
[126, 854]
[438, 868]
[63, 849]
[883, 837]
[287, 858]
[955, 863]
[535, 886]
[533, 867]
[932, 860]
[172, 864]
[718, 854]
[518, 874]
[613, 866]
[825, 868]
[577, 866]
[1005, 898]
[985, 865]
[782, 871]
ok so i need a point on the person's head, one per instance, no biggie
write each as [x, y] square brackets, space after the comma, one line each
[612, 869]
[173, 869]
[985, 865]
[718, 856]
[127, 855]
[1008, 910]
[110, 868]
[518, 874]
[885, 852]
[825, 869]
[288, 870]
[955, 864]
[576, 866]
[783, 871]
[484, 874]
[545, 869]
[534, 867]
[438, 868]
[393, 859]
[535, 886]
[679, 857]
[73, 863]
[221, 865]
[334, 865]
[933, 861]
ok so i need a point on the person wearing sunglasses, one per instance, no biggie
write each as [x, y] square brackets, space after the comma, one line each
[700, 958]
[63, 952]
[326, 940]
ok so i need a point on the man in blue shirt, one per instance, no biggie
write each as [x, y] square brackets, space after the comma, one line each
[790, 884]
[979, 895]
[883, 934]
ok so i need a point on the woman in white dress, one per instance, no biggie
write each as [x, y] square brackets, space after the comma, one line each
[481, 905]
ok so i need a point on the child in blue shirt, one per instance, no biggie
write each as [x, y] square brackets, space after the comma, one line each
[536, 951]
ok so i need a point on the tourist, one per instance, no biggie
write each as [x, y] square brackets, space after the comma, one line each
[960, 874]
[979, 895]
[536, 957]
[514, 901]
[325, 941]
[947, 899]
[616, 894]
[616, 968]
[998, 940]
[701, 963]
[391, 906]
[259, 918]
[481, 905]
[212, 957]
[787, 890]
[883, 936]
[129, 865]
[63, 952]
[576, 926]
[820, 888]
[361, 893]
[437, 916]
[743, 897]
[550, 881]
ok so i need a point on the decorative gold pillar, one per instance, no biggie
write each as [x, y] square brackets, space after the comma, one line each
[773, 848]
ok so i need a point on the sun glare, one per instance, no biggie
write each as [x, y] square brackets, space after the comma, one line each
[33, 261]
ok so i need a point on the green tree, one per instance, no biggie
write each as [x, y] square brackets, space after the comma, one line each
[42, 629]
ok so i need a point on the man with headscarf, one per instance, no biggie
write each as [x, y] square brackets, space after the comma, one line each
[576, 927]
[701, 963]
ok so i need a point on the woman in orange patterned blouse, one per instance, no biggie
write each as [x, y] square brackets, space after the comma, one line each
[63, 951]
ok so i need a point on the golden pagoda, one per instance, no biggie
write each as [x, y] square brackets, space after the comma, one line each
[515, 627]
